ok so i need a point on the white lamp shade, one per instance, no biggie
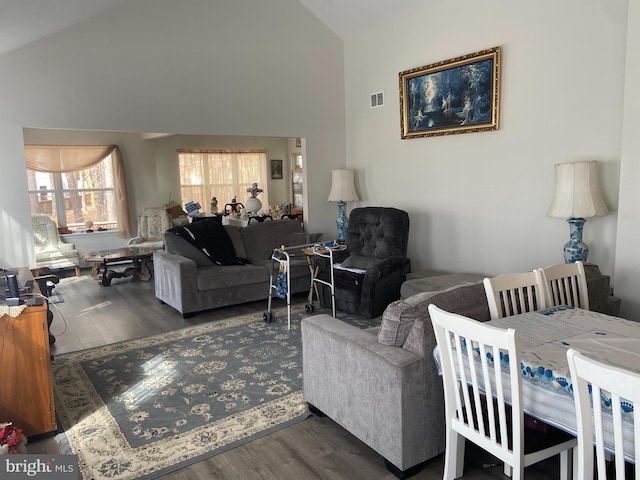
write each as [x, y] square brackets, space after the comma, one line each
[343, 188]
[577, 191]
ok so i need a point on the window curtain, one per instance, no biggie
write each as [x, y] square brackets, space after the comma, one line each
[67, 158]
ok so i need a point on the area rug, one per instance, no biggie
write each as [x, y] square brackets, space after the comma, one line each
[146, 407]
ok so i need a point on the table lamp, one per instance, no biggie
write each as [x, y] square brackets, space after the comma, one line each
[577, 198]
[343, 190]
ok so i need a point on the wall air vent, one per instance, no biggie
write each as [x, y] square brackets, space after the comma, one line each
[377, 100]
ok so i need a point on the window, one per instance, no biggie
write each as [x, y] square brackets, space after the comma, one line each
[221, 174]
[73, 197]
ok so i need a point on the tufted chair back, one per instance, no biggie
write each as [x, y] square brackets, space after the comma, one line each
[369, 277]
[379, 232]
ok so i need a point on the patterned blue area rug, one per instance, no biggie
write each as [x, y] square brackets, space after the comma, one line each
[146, 407]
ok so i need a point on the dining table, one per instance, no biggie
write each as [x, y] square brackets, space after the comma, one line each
[544, 336]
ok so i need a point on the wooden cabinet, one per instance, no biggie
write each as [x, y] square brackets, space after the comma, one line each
[26, 388]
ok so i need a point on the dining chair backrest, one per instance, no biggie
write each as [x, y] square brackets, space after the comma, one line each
[593, 379]
[513, 293]
[566, 284]
[480, 362]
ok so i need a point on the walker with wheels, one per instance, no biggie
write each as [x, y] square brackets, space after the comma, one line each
[324, 251]
[279, 282]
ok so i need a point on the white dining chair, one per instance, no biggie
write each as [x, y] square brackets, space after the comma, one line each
[513, 293]
[467, 385]
[566, 284]
[593, 379]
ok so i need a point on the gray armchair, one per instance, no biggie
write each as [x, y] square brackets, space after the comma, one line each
[376, 246]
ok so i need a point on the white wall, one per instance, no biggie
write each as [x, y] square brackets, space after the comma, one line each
[627, 267]
[478, 201]
[229, 67]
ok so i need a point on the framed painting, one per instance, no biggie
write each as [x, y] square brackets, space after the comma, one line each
[460, 95]
[276, 169]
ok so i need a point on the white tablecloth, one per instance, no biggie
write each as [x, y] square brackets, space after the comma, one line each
[544, 338]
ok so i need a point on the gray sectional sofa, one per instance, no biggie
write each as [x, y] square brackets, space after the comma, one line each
[189, 281]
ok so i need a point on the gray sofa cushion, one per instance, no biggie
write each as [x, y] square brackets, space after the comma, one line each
[469, 300]
[437, 282]
[212, 239]
[399, 317]
[261, 238]
[301, 238]
[234, 234]
[217, 277]
[179, 246]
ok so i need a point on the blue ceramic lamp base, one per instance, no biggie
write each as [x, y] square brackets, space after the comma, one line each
[341, 223]
[575, 249]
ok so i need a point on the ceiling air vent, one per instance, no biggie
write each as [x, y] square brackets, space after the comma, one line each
[377, 100]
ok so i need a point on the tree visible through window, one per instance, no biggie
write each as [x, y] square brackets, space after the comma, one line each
[221, 174]
[75, 197]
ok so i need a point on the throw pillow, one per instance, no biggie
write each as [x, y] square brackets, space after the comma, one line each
[399, 317]
[397, 321]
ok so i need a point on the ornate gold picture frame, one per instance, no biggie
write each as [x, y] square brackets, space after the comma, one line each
[459, 95]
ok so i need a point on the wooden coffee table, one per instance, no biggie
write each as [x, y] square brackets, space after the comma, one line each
[135, 260]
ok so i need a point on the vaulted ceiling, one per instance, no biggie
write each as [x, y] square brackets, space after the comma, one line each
[24, 21]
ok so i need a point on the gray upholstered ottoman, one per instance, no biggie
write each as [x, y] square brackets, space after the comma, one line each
[436, 281]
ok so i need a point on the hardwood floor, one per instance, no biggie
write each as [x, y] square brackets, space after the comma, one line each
[316, 448]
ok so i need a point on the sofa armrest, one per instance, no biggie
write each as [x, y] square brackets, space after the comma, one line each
[174, 264]
[66, 246]
[175, 279]
[379, 393]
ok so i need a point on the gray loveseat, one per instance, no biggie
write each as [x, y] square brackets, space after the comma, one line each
[188, 280]
[382, 384]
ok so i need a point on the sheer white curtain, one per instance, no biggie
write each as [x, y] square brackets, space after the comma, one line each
[222, 174]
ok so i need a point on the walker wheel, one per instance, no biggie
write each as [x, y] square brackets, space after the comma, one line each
[309, 308]
[267, 317]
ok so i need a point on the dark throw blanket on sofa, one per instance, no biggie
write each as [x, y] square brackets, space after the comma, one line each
[212, 239]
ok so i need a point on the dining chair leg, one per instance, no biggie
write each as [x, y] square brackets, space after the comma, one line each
[574, 463]
[567, 463]
[454, 455]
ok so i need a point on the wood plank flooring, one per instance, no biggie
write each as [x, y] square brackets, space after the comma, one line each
[316, 448]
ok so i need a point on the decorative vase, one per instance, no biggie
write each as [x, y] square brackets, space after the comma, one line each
[575, 249]
[253, 205]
